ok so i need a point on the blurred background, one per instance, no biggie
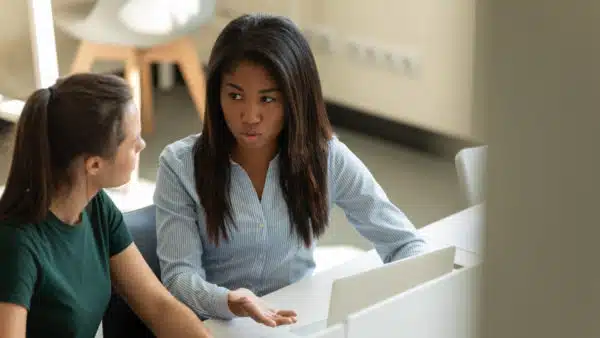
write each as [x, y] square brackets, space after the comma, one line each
[397, 76]
[408, 85]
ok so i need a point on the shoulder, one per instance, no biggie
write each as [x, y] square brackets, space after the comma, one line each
[102, 201]
[19, 262]
[101, 197]
[102, 211]
[180, 152]
[339, 153]
[16, 239]
[335, 144]
[176, 166]
[344, 165]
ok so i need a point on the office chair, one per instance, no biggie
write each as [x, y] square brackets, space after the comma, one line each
[116, 30]
[119, 320]
[470, 167]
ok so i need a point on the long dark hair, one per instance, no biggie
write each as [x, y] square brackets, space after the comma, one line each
[278, 45]
[80, 115]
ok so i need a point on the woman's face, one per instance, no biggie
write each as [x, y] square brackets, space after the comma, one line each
[252, 105]
[117, 171]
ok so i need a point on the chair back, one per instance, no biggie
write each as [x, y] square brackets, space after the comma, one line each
[119, 320]
[470, 168]
[136, 23]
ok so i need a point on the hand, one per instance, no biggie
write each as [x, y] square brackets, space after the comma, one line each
[244, 303]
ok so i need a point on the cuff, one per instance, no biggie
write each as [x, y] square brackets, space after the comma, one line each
[409, 250]
[220, 305]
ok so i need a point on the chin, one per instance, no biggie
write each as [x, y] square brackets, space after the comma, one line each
[250, 144]
[261, 141]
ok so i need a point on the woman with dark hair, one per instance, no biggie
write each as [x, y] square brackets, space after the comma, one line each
[240, 205]
[63, 243]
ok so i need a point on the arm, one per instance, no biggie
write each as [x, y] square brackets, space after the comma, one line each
[179, 246]
[19, 275]
[368, 208]
[13, 319]
[133, 279]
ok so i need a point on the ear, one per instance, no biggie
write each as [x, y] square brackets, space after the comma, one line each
[93, 165]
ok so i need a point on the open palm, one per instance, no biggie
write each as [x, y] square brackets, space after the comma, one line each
[244, 303]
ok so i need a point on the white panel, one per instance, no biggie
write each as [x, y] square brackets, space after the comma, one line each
[446, 307]
[354, 293]
[43, 42]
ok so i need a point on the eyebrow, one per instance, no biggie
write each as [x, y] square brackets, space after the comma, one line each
[269, 90]
[262, 91]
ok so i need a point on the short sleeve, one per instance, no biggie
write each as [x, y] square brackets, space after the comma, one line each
[17, 267]
[119, 237]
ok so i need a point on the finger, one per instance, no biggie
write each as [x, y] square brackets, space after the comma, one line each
[287, 313]
[256, 313]
[266, 320]
[284, 320]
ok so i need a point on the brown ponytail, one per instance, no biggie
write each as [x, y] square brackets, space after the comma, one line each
[28, 188]
[79, 115]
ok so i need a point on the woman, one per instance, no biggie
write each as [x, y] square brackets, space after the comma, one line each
[63, 243]
[239, 207]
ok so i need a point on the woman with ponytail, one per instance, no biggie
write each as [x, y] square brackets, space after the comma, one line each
[63, 243]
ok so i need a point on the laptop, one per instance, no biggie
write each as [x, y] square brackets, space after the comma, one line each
[451, 302]
[353, 293]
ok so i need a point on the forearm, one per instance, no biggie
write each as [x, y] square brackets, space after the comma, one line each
[390, 231]
[204, 298]
[415, 247]
[150, 300]
[174, 319]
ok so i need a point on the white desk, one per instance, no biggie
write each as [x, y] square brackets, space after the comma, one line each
[310, 296]
[464, 230]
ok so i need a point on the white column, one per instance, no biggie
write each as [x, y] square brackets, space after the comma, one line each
[538, 84]
[43, 47]
[43, 42]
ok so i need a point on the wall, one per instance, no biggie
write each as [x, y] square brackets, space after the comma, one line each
[437, 35]
[538, 85]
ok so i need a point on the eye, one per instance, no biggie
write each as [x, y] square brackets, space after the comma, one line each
[267, 99]
[235, 96]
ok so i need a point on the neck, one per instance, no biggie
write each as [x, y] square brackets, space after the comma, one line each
[69, 203]
[254, 157]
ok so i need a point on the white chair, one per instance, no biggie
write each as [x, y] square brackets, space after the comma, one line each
[470, 167]
[140, 32]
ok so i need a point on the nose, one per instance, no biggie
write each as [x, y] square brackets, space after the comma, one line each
[251, 114]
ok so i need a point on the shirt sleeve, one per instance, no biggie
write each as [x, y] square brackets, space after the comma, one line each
[179, 246]
[368, 208]
[18, 266]
[119, 237]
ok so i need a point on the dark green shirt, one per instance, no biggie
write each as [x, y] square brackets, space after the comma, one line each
[60, 272]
